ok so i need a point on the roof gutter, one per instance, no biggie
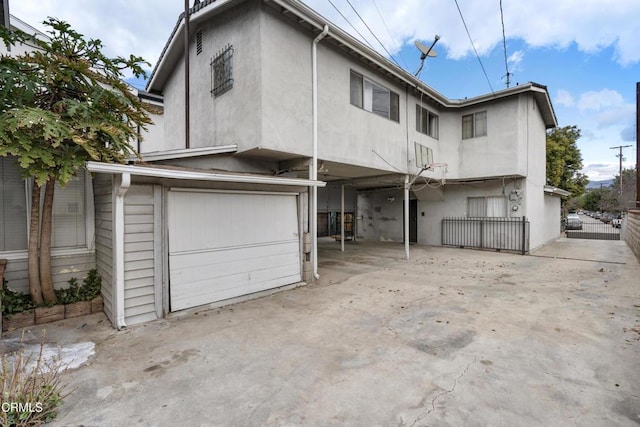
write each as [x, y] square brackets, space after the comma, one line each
[116, 169]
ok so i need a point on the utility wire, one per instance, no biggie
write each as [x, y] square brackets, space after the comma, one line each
[474, 46]
[395, 45]
[351, 25]
[504, 44]
[373, 34]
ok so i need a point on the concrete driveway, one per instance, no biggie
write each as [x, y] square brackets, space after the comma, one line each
[451, 337]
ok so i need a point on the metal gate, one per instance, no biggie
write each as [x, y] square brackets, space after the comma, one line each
[509, 234]
[592, 229]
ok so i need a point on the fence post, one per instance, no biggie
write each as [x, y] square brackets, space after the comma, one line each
[524, 234]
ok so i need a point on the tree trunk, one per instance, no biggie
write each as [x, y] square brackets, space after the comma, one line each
[34, 233]
[45, 244]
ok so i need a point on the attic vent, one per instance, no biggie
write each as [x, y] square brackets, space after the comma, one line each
[198, 42]
[222, 71]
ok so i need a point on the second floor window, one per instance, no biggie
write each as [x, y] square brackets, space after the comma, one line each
[222, 72]
[371, 96]
[426, 122]
[474, 125]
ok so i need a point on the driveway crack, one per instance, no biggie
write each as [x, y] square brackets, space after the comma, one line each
[444, 393]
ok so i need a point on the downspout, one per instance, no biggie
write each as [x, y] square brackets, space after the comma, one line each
[314, 159]
[123, 182]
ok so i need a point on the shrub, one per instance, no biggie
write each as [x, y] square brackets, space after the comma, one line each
[31, 387]
[12, 301]
[89, 289]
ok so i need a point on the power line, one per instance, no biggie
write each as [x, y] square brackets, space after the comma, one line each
[351, 25]
[372, 33]
[504, 44]
[395, 45]
[474, 46]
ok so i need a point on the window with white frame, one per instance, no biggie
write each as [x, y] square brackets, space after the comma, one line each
[491, 206]
[69, 211]
[474, 125]
[373, 97]
[426, 122]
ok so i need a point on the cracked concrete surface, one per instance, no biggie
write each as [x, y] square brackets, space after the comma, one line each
[451, 337]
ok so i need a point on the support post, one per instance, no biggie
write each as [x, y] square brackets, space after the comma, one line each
[406, 216]
[342, 219]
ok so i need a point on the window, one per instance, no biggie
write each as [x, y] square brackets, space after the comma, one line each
[474, 125]
[371, 96]
[198, 42]
[222, 72]
[426, 122]
[69, 211]
[492, 206]
[13, 207]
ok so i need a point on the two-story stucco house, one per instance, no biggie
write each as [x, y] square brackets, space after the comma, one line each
[288, 125]
[280, 102]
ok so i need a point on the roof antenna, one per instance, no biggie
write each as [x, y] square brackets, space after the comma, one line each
[426, 52]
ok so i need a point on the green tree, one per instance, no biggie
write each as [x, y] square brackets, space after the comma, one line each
[61, 104]
[626, 197]
[564, 160]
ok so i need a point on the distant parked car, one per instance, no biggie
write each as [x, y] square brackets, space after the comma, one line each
[597, 215]
[573, 222]
[617, 221]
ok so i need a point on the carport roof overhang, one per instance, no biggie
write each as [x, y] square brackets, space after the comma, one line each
[198, 175]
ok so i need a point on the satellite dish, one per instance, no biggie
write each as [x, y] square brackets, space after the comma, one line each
[426, 51]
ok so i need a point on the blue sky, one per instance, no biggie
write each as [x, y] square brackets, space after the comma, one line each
[585, 51]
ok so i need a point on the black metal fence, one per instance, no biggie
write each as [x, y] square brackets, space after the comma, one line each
[508, 234]
[593, 230]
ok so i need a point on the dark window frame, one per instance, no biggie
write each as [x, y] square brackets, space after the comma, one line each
[383, 101]
[427, 122]
[222, 72]
[472, 130]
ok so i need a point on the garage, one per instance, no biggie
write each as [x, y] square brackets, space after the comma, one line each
[225, 244]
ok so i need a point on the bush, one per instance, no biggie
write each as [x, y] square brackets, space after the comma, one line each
[17, 302]
[31, 387]
[12, 301]
[89, 289]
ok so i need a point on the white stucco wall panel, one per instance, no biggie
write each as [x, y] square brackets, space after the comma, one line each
[233, 117]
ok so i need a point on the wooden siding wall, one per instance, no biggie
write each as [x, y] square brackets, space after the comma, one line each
[102, 196]
[63, 268]
[139, 256]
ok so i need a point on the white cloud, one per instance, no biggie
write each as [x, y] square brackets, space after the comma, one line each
[598, 100]
[142, 28]
[515, 61]
[563, 97]
[589, 24]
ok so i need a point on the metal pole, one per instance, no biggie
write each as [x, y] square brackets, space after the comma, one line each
[187, 136]
[638, 145]
[342, 219]
[621, 157]
[406, 216]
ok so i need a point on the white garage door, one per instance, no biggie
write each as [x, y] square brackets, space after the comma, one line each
[227, 244]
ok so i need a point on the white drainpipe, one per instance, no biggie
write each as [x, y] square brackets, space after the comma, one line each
[123, 182]
[407, 185]
[314, 160]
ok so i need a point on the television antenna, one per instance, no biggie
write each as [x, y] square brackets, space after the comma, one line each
[426, 51]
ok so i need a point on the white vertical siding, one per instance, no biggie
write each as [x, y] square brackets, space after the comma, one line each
[139, 255]
[104, 239]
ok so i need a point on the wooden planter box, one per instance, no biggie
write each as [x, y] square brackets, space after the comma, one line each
[49, 314]
[97, 305]
[77, 309]
[18, 320]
